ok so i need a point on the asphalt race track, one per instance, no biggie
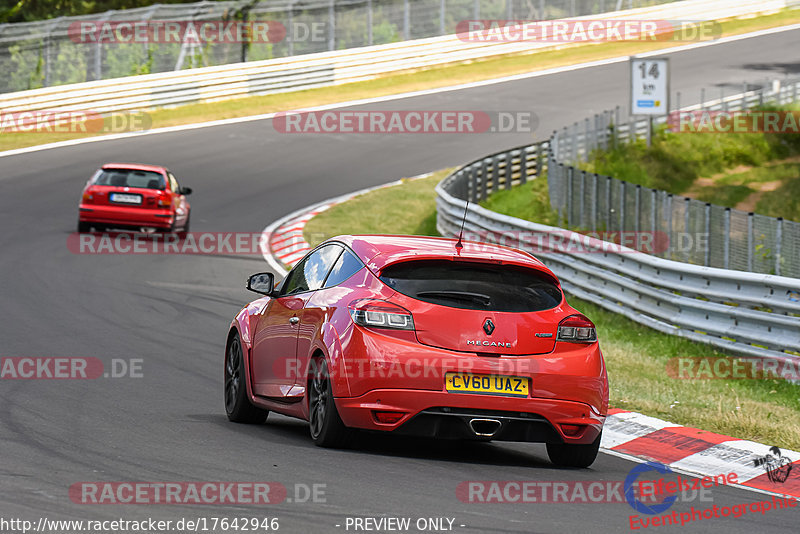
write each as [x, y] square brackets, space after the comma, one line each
[172, 313]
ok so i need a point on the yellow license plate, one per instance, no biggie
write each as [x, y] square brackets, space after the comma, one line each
[506, 386]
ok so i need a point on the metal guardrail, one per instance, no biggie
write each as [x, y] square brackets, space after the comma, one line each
[45, 53]
[746, 313]
[326, 68]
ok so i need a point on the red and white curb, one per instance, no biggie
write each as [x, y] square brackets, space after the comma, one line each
[287, 245]
[629, 435]
[700, 453]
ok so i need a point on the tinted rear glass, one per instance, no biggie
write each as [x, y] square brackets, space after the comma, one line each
[130, 178]
[473, 286]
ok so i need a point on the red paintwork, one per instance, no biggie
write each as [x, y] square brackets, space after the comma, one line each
[174, 215]
[568, 385]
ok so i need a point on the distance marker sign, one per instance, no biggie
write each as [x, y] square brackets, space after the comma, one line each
[649, 86]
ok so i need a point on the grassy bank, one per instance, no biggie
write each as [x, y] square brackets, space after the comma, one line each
[766, 411]
[407, 81]
[747, 171]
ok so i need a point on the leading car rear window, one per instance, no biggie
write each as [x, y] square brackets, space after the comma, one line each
[130, 178]
[474, 286]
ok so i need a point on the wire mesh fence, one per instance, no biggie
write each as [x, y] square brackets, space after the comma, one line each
[673, 227]
[109, 45]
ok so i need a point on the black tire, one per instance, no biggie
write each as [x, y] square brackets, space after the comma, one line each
[565, 455]
[84, 227]
[327, 429]
[237, 405]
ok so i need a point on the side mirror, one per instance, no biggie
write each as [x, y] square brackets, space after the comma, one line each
[263, 283]
[186, 190]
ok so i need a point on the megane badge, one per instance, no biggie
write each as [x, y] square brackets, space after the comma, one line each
[488, 327]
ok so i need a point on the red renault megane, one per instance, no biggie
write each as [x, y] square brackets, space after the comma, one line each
[125, 195]
[419, 336]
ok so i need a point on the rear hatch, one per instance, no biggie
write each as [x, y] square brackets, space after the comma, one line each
[486, 308]
[130, 188]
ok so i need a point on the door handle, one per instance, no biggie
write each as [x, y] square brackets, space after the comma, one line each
[294, 320]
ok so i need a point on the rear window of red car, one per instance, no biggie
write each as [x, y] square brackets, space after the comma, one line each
[474, 286]
[130, 178]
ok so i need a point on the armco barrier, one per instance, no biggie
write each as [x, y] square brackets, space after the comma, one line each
[327, 68]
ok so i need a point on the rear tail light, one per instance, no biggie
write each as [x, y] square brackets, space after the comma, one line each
[164, 201]
[380, 314]
[577, 329]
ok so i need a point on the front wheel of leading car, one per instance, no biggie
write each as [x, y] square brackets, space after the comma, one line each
[237, 405]
[327, 428]
[565, 455]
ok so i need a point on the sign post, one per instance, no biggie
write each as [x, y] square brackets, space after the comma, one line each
[649, 89]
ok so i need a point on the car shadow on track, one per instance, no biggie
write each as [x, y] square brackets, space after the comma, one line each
[285, 430]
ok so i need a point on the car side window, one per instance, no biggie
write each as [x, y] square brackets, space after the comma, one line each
[309, 274]
[173, 182]
[346, 266]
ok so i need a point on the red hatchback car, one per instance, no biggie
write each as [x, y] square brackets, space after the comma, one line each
[414, 335]
[131, 196]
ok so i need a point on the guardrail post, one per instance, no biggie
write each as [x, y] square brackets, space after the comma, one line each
[707, 216]
[670, 233]
[574, 138]
[473, 183]
[744, 97]
[586, 147]
[637, 209]
[594, 202]
[688, 204]
[609, 209]
[621, 206]
[617, 122]
[484, 179]
[406, 20]
[795, 91]
[523, 166]
[370, 37]
[332, 25]
[539, 162]
[778, 244]
[476, 9]
[653, 201]
[631, 129]
[290, 29]
[582, 202]
[495, 174]
[750, 241]
[726, 243]
[570, 174]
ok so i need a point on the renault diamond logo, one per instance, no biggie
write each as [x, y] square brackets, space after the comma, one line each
[488, 327]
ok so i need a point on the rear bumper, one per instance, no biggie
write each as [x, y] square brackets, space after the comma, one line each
[126, 216]
[479, 417]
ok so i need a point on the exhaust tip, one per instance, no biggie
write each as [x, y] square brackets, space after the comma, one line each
[485, 428]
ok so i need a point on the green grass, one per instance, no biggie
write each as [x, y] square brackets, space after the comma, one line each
[408, 209]
[765, 411]
[405, 81]
[707, 166]
[530, 201]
